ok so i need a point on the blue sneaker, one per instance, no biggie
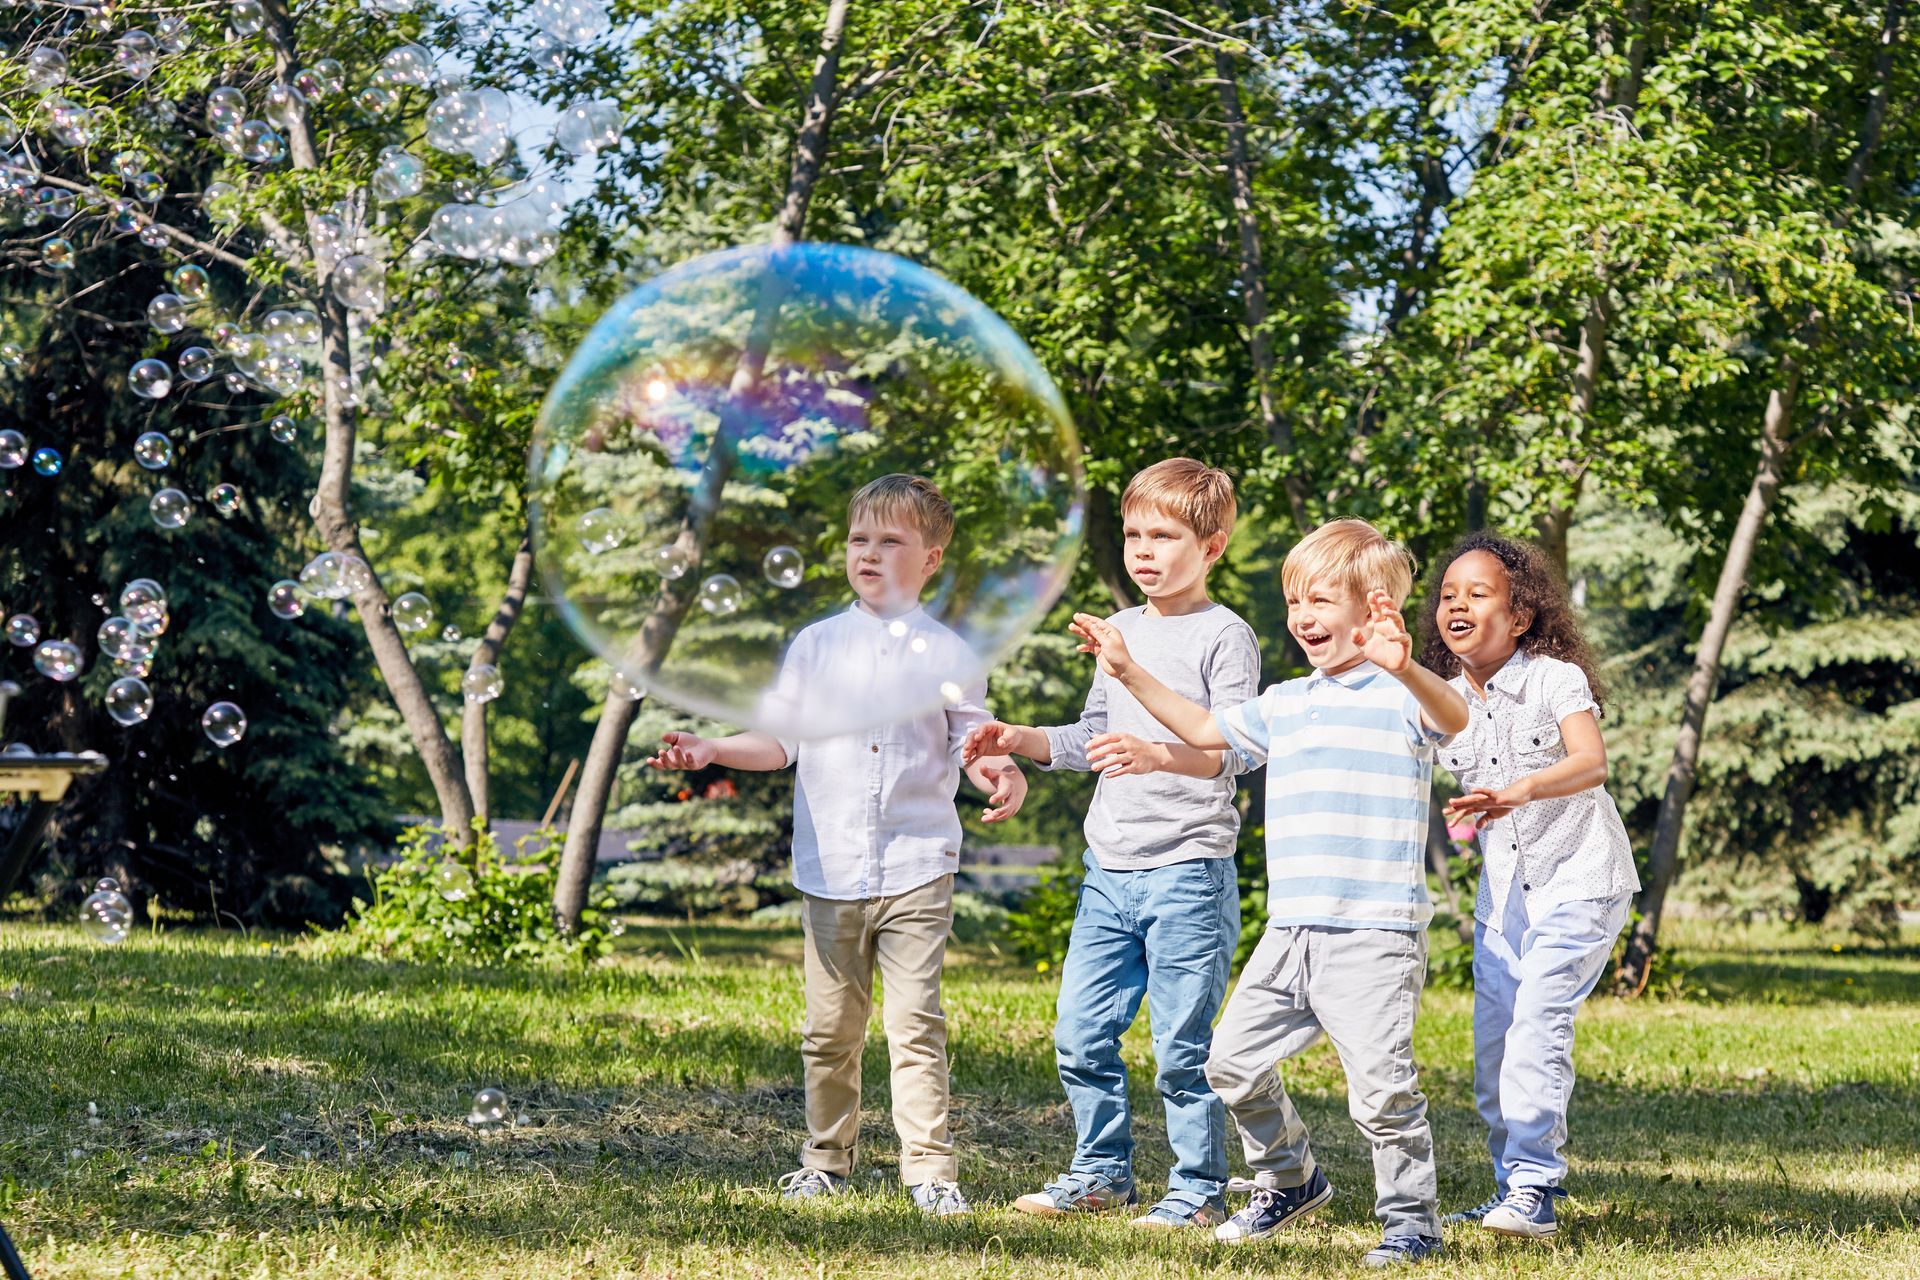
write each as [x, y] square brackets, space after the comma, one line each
[1079, 1193]
[1171, 1214]
[1270, 1210]
[1467, 1217]
[1401, 1251]
[1526, 1213]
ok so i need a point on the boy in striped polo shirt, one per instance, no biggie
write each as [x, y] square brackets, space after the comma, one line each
[1349, 751]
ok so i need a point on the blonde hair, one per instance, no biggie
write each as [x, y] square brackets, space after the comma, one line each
[1195, 494]
[1353, 554]
[915, 498]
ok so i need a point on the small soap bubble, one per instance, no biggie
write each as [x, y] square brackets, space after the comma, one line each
[129, 700]
[398, 175]
[150, 187]
[11, 356]
[144, 601]
[247, 17]
[226, 108]
[489, 1108]
[720, 594]
[153, 236]
[452, 881]
[482, 683]
[783, 567]
[57, 660]
[150, 379]
[106, 915]
[256, 141]
[136, 54]
[408, 65]
[224, 724]
[283, 598]
[120, 637]
[167, 313]
[283, 105]
[153, 451]
[23, 631]
[172, 34]
[671, 563]
[13, 449]
[170, 508]
[47, 461]
[373, 100]
[412, 612]
[190, 280]
[196, 364]
[360, 282]
[46, 66]
[588, 127]
[450, 634]
[599, 530]
[224, 498]
[57, 253]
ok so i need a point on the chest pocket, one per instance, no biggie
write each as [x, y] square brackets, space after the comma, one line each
[1537, 744]
[1461, 758]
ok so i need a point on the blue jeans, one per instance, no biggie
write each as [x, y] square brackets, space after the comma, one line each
[1530, 976]
[1167, 934]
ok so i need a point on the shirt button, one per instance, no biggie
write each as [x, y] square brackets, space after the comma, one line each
[1313, 715]
[875, 748]
[1526, 888]
[1496, 759]
[1516, 846]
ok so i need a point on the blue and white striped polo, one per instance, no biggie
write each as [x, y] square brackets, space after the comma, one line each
[1349, 769]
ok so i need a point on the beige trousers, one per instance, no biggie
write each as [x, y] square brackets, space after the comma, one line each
[907, 936]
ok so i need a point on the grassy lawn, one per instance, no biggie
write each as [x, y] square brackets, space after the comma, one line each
[261, 1113]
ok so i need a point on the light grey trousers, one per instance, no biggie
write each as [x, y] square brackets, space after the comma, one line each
[1361, 988]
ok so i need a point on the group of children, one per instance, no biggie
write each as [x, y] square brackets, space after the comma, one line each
[1504, 694]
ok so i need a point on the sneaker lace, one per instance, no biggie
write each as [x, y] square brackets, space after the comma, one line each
[1263, 1199]
[943, 1193]
[1526, 1200]
[806, 1178]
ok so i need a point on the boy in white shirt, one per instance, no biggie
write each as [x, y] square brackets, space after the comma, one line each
[876, 839]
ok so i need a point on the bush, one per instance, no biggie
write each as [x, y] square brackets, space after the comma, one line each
[1038, 928]
[499, 912]
[680, 886]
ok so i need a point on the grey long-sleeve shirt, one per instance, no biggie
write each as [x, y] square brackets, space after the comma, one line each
[1151, 820]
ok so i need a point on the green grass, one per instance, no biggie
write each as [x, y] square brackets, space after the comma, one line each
[262, 1113]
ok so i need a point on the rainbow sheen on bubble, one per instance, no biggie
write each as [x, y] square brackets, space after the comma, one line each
[720, 417]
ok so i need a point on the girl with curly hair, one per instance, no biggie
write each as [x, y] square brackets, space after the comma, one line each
[1557, 872]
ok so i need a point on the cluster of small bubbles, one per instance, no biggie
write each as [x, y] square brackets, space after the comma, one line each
[46, 67]
[720, 594]
[283, 104]
[13, 449]
[47, 461]
[167, 312]
[195, 364]
[121, 637]
[224, 724]
[283, 599]
[136, 54]
[226, 108]
[783, 567]
[325, 76]
[482, 682]
[412, 612]
[57, 660]
[489, 1105]
[572, 22]
[106, 915]
[373, 100]
[190, 281]
[145, 602]
[452, 881]
[23, 631]
[334, 575]
[588, 127]
[255, 141]
[70, 123]
[170, 508]
[399, 174]
[57, 253]
[408, 66]
[284, 330]
[472, 122]
[599, 530]
[283, 429]
[153, 450]
[224, 498]
[247, 17]
[360, 282]
[129, 700]
[150, 379]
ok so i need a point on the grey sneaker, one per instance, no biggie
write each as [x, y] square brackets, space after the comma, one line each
[805, 1184]
[1468, 1217]
[1171, 1214]
[1402, 1251]
[1079, 1193]
[940, 1198]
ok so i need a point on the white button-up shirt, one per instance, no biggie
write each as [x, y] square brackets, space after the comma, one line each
[873, 810]
[1571, 849]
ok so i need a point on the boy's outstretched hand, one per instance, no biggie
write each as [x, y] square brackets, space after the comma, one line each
[1384, 640]
[1103, 640]
[684, 752]
[1009, 793]
[1484, 805]
[994, 738]
[1114, 754]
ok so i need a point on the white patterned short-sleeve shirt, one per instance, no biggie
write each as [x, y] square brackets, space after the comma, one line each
[1567, 850]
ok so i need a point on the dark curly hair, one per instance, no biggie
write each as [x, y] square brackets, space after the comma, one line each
[1532, 585]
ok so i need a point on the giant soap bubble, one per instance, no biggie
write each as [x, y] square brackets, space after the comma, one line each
[713, 427]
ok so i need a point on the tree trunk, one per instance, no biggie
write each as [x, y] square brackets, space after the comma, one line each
[473, 715]
[663, 621]
[1253, 289]
[1108, 548]
[332, 502]
[1664, 855]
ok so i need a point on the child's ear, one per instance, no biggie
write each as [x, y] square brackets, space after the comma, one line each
[1215, 546]
[1522, 619]
[934, 557]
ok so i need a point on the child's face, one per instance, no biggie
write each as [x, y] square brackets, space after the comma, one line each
[1166, 558]
[1475, 611]
[1323, 617]
[888, 563]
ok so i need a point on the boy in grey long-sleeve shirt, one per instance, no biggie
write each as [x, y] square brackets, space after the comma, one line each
[1159, 910]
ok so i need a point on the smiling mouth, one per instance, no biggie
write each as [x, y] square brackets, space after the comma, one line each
[1459, 627]
[1315, 640]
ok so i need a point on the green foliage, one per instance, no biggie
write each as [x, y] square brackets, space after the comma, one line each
[1039, 926]
[678, 887]
[499, 913]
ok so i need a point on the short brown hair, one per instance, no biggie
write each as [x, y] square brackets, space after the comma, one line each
[1195, 494]
[916, 498]
[1353, 554]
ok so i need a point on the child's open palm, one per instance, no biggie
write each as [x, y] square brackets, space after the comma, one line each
[1102, 639]
[1384, 639]
[682, 752]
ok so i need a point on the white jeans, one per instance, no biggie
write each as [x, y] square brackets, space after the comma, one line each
[1529, 978]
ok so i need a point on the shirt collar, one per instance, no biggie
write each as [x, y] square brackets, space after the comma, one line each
[1512, 675]
[1351, 678]
[912, 619]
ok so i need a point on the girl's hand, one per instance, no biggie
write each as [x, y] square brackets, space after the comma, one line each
[1102, 639]
[1114, 754]
[1483, 806]
[684, 752]
[1384, 640]
[1009, 793]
